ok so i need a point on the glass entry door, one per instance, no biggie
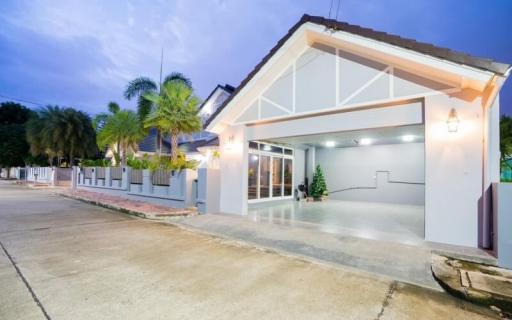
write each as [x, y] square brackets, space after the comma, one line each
[270, 173]
[264, 177]
[277, 177]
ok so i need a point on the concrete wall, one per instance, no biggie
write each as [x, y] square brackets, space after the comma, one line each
[357, 167]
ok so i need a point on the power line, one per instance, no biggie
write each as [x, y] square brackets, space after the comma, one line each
[338, 9]
[22, 100]
[330, 8]
[38, 104]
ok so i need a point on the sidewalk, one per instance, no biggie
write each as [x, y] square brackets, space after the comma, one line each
[133, 207]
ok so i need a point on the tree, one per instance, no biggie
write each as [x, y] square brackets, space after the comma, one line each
[99, 120]
[121, 129]
[176, 112]
[13, 145]
[59, 132]
[141, 86]
[318, 186]
[506, 141]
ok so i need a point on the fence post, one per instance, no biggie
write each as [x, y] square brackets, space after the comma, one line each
[93, 176]
[108, 180]
[53, 176]
[74, 177]
[146, 182]
[125, 178]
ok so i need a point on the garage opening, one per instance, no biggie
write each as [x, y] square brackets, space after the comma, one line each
[375, 180]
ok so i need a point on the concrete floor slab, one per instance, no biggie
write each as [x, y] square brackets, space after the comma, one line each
[370, 220]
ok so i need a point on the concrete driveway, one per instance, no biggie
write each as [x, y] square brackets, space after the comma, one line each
[63, 259]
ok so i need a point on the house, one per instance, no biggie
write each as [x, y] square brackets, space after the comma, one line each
[406, 133]
[198, 146]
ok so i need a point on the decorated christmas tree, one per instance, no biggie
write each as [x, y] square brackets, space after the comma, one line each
[318, 186]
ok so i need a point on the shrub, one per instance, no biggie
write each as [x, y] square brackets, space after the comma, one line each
[94, 163]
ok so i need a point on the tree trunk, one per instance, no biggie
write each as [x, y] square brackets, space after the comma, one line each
[123, 155]
[158, 142]
[174, 145]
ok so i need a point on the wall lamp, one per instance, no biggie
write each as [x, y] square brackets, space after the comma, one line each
[453, 121]
[230, 143]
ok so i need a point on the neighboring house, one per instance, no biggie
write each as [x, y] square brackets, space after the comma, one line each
[390, 120]
[197, 146]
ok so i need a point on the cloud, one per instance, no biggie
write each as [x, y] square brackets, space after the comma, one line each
[84, 52]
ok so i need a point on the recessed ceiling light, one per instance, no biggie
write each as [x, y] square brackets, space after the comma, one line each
[365, 141]
[408, 138]
[330, 144]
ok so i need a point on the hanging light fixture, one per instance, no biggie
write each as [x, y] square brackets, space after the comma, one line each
[453, 121]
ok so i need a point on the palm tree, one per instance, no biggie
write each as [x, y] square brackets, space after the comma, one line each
[139, 87]
[79, 135]
[175, 112]
[57, 132]
[123, 130]
[99, 120]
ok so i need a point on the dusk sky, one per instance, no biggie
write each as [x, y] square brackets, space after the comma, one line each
[83, 53]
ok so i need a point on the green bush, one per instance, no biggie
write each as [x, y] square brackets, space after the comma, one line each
[138, 164]
[157, 162]
[94, 163]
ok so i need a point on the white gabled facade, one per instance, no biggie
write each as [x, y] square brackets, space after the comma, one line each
[320, 80]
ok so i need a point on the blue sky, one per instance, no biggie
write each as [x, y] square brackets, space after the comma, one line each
[82, 53]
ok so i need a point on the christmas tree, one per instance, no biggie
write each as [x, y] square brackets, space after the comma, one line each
[318, 186]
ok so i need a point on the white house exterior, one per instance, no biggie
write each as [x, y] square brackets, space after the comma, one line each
[373, 110]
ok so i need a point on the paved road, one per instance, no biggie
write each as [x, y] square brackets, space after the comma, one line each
[63, 259]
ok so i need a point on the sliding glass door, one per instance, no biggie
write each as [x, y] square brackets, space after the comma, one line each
[264, 177]
[270, 172]
[277, 177]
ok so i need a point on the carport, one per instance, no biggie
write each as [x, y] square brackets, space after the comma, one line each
[375, 178]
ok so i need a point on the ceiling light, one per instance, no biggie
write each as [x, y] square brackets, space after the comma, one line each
[365, 141]
[408, 138]
[267, 147]
[330, 144]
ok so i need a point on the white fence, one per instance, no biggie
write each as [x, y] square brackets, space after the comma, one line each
[46, 175]
[174, 188]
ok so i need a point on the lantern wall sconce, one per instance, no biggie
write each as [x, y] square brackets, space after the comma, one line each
[453, 121]
[231, 142]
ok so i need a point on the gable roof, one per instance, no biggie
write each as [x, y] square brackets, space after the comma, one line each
[410, 44]
[227, 88]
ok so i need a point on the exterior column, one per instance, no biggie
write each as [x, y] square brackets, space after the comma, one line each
[233, 167]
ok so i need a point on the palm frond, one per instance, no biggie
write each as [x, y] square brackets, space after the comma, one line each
[139, 86]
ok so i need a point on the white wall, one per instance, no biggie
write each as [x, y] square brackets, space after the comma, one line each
[233, 146]
[299, 162]
[357, 167]
[453, 169]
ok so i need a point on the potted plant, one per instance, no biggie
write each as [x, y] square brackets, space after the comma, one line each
[318, 189]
